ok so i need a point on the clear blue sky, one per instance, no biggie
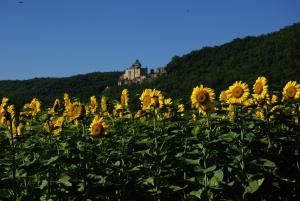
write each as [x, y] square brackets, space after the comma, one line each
[56, 38]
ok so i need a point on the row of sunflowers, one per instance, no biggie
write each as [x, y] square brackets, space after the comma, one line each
[234, 148]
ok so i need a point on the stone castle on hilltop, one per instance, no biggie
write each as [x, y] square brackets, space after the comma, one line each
[137, 74]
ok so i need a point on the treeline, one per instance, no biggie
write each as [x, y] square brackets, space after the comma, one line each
[47, 89]
[275, 56]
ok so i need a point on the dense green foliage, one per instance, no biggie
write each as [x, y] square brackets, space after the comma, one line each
[47, 89]
[156, 158]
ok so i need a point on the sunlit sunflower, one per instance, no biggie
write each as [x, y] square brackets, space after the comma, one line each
[238, 92]
[4, 101]
[260, 89]
[94, 104]
[223, 96]
[157, 99]
[124, 98]
[260, 114]
[57, 125]
[55, 107]
[146, 99]
[35, 106]
[291, 91]
[74, 111]
[180, 108]
[168, 101]
[98, 127]
[67, 100]
[11, 110]
[103, 104]
[202, 99]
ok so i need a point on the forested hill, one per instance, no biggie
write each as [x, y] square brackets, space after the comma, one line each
[275, 55]
[47, 89]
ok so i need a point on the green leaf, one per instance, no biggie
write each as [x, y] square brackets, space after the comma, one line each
[149, 181]
[253, 186]
[64, 179]
[44, 184]
[175, 188]
[217, 178]
[192, 161]
[267, 163]
[51, 160]
[197, 193]
[209, 169]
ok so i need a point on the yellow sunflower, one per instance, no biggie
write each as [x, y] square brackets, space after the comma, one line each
[146, 99]
[94, 104]
[168, 101]
[180, 108]
[291, 91]
[57, 125]
[55, 107]
[74, 111]
[238, 92]
[124, 98]
[223, 96]
[260, 88]
[157, 99]
[98, 127]
[202, 99]
[35, 106]
[67, 100]
[103, 104]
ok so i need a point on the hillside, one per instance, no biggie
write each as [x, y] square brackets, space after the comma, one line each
[275, 55]
[47, 89]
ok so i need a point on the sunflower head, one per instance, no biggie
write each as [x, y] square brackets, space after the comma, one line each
[146, 99]
[238, 92]
[67, 100]
[157, 99]
[103, 104]
[98, 127]
[34, 106]
[74, 111]
[260, 89]
[94, 104]
[180, 108]
[291, 91]
[55, 107]
[124, 98]
[168, 101]
[202, 99]
[223, 97]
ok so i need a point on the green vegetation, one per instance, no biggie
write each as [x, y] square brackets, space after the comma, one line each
[47, 89]
[275, 56]
[161, 153]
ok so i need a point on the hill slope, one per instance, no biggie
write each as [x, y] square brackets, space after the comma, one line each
[275, 55]
[47, 89]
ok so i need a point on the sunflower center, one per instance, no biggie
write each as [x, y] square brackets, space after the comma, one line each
[97, 129]
[147, 100]
[237, 92]
[258, 88]
[291, 92]
[202, 97]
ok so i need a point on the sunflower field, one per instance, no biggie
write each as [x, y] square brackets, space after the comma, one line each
[241, 145]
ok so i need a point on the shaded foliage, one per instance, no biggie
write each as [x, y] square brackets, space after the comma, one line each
[47, 89]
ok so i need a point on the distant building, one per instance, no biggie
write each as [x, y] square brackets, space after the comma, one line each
[137, 74]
